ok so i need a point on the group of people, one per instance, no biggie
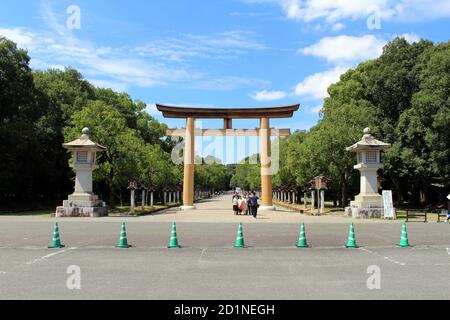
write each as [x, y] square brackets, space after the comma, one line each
[246, 204]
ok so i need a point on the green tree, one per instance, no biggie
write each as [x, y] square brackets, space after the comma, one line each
[423, 129]
[247, 174]
[22, 159]
[66, 92]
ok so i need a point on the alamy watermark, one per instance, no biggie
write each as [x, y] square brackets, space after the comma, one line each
[374, 280]
[74, 19]
[374, 19]
[73, 282]
[229, 145]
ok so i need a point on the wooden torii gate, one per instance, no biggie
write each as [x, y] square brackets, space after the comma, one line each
[227, 114]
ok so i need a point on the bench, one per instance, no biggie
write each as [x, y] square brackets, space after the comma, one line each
[441, 213]
[416, 213]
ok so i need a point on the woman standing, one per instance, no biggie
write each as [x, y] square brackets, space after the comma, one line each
[242, 205]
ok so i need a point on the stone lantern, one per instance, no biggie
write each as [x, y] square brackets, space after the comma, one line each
[368, 203]
[83, 202]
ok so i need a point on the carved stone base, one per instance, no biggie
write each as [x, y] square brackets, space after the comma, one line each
[371, 200]
[81, 211]
[364, 213]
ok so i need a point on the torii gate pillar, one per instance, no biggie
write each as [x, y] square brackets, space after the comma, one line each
[266, 168]
[189, 166]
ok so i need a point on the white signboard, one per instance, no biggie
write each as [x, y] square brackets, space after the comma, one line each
[388, 206]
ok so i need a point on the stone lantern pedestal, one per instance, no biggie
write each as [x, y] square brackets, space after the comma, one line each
[83, 202]
[368, 203]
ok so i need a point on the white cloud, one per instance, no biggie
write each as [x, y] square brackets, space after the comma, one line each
[219, 46]
[338, 26]
[333, 11]
[152, 110]
[266, 95]
[50, 18]
[345, 48]
[95, 62]
[315, 86]
[315, 110]
[229, 39]
[20, 36]
[410, 37]
[344, 52]
[226, 83]
[422, 10]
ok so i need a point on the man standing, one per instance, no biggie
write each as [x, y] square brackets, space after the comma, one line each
[254, 204]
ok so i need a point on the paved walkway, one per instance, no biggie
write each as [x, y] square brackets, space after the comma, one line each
[219, 210]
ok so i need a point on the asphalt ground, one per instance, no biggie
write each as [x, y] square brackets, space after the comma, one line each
[208, 267]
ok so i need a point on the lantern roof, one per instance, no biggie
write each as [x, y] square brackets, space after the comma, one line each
[368, 142]
[84, 142]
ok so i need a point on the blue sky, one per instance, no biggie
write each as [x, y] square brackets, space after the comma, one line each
[219, 53]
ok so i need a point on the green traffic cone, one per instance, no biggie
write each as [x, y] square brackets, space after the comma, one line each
[351, 243]
[56, 242]
[302, 238]
[173, 243]
[404, 237]
[239, 238]
[123, 243]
